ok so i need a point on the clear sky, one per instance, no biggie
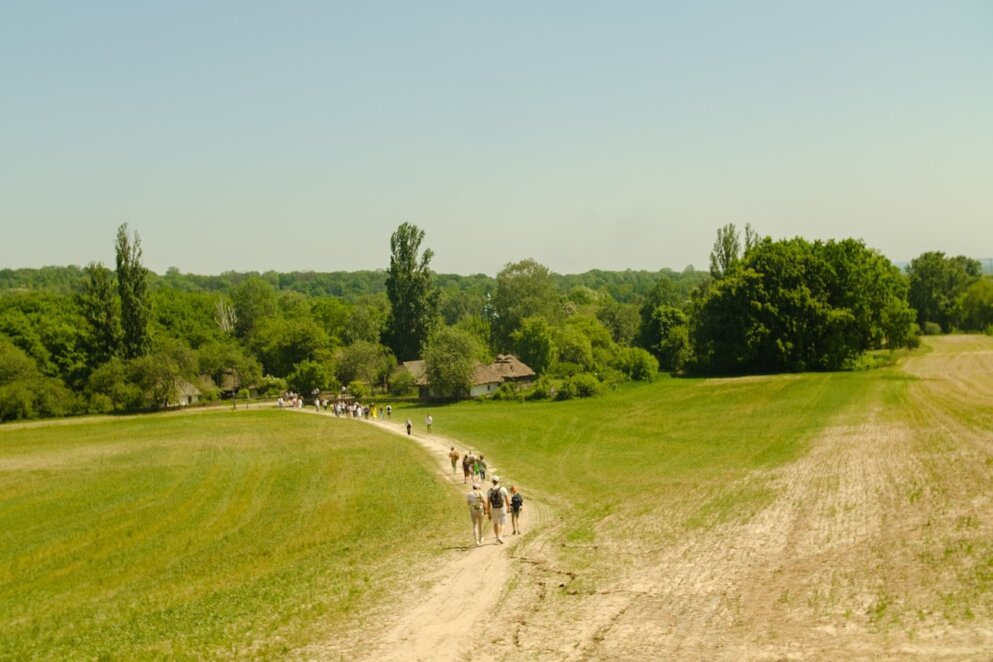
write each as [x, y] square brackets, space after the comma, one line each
[298, 135]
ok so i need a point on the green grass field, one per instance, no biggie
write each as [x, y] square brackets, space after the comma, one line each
[218, 534]
[643, 439]
[677, 440]
[250, 534]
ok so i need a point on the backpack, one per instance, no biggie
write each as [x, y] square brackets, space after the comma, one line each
[516, 501]
[496, 498]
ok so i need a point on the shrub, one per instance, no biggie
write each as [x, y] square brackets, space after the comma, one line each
[563, 369]
[638, 364]
[402, 383]
[540, 390]
[583, 385]
[359, 390]
[509, 392]
[931, 329]
[271, 386]
[913, 339]
[587, 385]
[100, 404]
[309, 375]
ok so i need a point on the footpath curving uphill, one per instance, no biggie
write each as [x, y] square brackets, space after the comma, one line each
[431, 622]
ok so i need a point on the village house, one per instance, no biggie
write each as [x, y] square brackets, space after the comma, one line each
[486, 379]
[513, 370]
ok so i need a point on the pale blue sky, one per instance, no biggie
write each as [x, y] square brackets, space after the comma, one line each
[299, 135]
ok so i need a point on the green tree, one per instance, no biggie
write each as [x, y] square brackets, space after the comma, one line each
[622, 319]
[309, 375]
[524, 289]
[412, 294]
[936, 283]
[101, 312]
[25, 392]
[219, 359]
[975, 306]
[366, 319]
[533, 344]
[132, 287]
[637, 363]
[582, 340]
[110, 388]
[186, 315]
[664, 295]
[666, 333]
[402, 382]
[255, 302]
[364, 361]
[333, 315]
[795, 305]
[280, 343]
[726, 252]
[450, 358]
[160, 372]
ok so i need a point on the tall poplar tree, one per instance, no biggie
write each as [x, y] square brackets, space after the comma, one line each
[132, 284]
[413, 295]
[100, 309]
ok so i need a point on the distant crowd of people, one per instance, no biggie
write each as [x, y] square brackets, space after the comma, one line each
[495, 504]
[339, 408]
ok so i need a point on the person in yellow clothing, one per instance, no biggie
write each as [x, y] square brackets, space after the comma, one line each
[454, 456]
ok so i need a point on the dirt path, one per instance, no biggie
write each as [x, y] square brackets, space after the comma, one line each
[461, 596]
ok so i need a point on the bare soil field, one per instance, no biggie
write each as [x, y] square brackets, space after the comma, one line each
[876, 544]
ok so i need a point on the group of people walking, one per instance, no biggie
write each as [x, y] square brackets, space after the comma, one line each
[473, 467]
[494, 505]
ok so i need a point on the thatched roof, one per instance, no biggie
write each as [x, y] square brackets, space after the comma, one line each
[418, 370]
[511, 368]
[483, 374]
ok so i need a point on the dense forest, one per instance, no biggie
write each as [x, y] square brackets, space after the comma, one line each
[88, 339]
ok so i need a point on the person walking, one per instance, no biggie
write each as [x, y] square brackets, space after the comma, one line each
[516, 503]
[453, 455]
[466, 466]
[427, 422]
[410, 426]
[481, 462]
[476, 502]
[497, 505]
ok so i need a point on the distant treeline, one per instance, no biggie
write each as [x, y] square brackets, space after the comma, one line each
[627, 286]
[100, 339]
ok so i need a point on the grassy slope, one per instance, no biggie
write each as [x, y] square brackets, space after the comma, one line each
[675, 441]
[205, 535]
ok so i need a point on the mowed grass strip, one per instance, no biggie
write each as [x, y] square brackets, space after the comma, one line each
[227, 534]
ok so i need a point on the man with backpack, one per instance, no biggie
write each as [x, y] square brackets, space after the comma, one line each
[497, 505]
